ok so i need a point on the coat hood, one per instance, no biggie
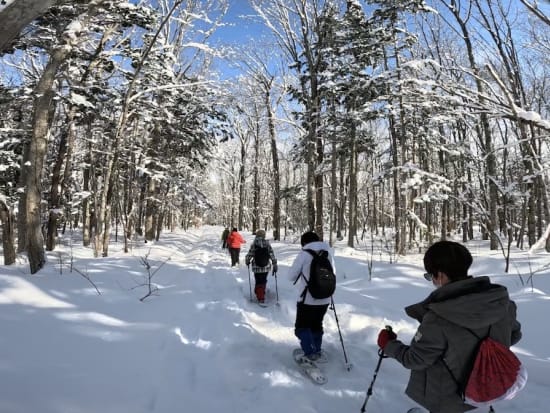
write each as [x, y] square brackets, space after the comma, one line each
[260, 242]
[471, 303]
[317, 246]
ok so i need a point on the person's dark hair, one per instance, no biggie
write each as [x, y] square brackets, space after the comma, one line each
[308, 237]
[234, 230]
[449, 257]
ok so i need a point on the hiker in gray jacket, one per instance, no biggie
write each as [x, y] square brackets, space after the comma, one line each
[441, 354]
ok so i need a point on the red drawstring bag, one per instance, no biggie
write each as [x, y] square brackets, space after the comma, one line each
[497, 375]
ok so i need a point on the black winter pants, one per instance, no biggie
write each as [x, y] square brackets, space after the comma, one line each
[310, 316]
[309, 327]
[260, 278]
[235, 252]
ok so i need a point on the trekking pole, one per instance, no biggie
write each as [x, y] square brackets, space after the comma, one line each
[276, 288]
[381, 356]
[249, 282]
[348, 364]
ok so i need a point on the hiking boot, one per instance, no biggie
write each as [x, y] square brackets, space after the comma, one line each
[320, 357]
[306, 360]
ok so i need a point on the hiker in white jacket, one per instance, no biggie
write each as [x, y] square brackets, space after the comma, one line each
[309, 311]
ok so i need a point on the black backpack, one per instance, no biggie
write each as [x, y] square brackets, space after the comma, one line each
[261, 256]
[322, 280]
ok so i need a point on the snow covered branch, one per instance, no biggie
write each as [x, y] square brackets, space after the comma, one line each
[166, 87]
[517, 113]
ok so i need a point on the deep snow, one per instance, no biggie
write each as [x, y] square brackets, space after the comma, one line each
[200, 345]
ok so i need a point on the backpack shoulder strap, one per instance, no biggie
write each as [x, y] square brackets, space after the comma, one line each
[312, 253]
[304, 292]
[480, 338]
[462, 386]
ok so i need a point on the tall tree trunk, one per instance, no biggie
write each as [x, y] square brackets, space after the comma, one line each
[444, 204]
[397, 213]
[152, 202]
[256, 190]
[8, 232]
[242, 179]
[310, 188]
[128, 206]
[18, 14]
[37, 151]
[87, 173]
[150, 208]
[333, 188]
[55, 189]
[275, 160]
[319, 209]
[160, 223]
[22, 202]
[352, 197]
[342, 198]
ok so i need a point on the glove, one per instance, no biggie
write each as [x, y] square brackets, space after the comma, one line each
[247, 262]
[385, 336]
[275, 268]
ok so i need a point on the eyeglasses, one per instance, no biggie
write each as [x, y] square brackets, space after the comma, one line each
[428, 276]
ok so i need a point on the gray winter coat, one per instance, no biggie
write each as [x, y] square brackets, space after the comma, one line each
[442, 338]
[260, 242]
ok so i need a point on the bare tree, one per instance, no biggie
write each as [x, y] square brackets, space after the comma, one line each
[295, 25]
[484, 129]
[534, 8]
[257, 65]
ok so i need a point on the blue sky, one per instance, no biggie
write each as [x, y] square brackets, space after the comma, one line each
[242, 23]
[242, 27]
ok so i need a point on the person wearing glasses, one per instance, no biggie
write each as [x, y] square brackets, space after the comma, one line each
[440, 354]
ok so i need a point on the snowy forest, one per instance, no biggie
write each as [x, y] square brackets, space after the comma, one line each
[397, 122]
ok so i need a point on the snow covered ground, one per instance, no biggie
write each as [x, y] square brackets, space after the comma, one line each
[200, 345]
[5, 3]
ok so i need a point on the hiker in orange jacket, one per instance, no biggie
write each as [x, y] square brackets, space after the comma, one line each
[234, 242]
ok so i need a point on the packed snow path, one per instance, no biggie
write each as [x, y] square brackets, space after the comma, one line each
[199, 344]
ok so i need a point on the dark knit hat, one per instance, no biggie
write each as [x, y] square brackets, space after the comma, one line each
[449, 257]
[260, 233]
[308, 237]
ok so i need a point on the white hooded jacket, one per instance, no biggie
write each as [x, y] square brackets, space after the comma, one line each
[301, 265]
